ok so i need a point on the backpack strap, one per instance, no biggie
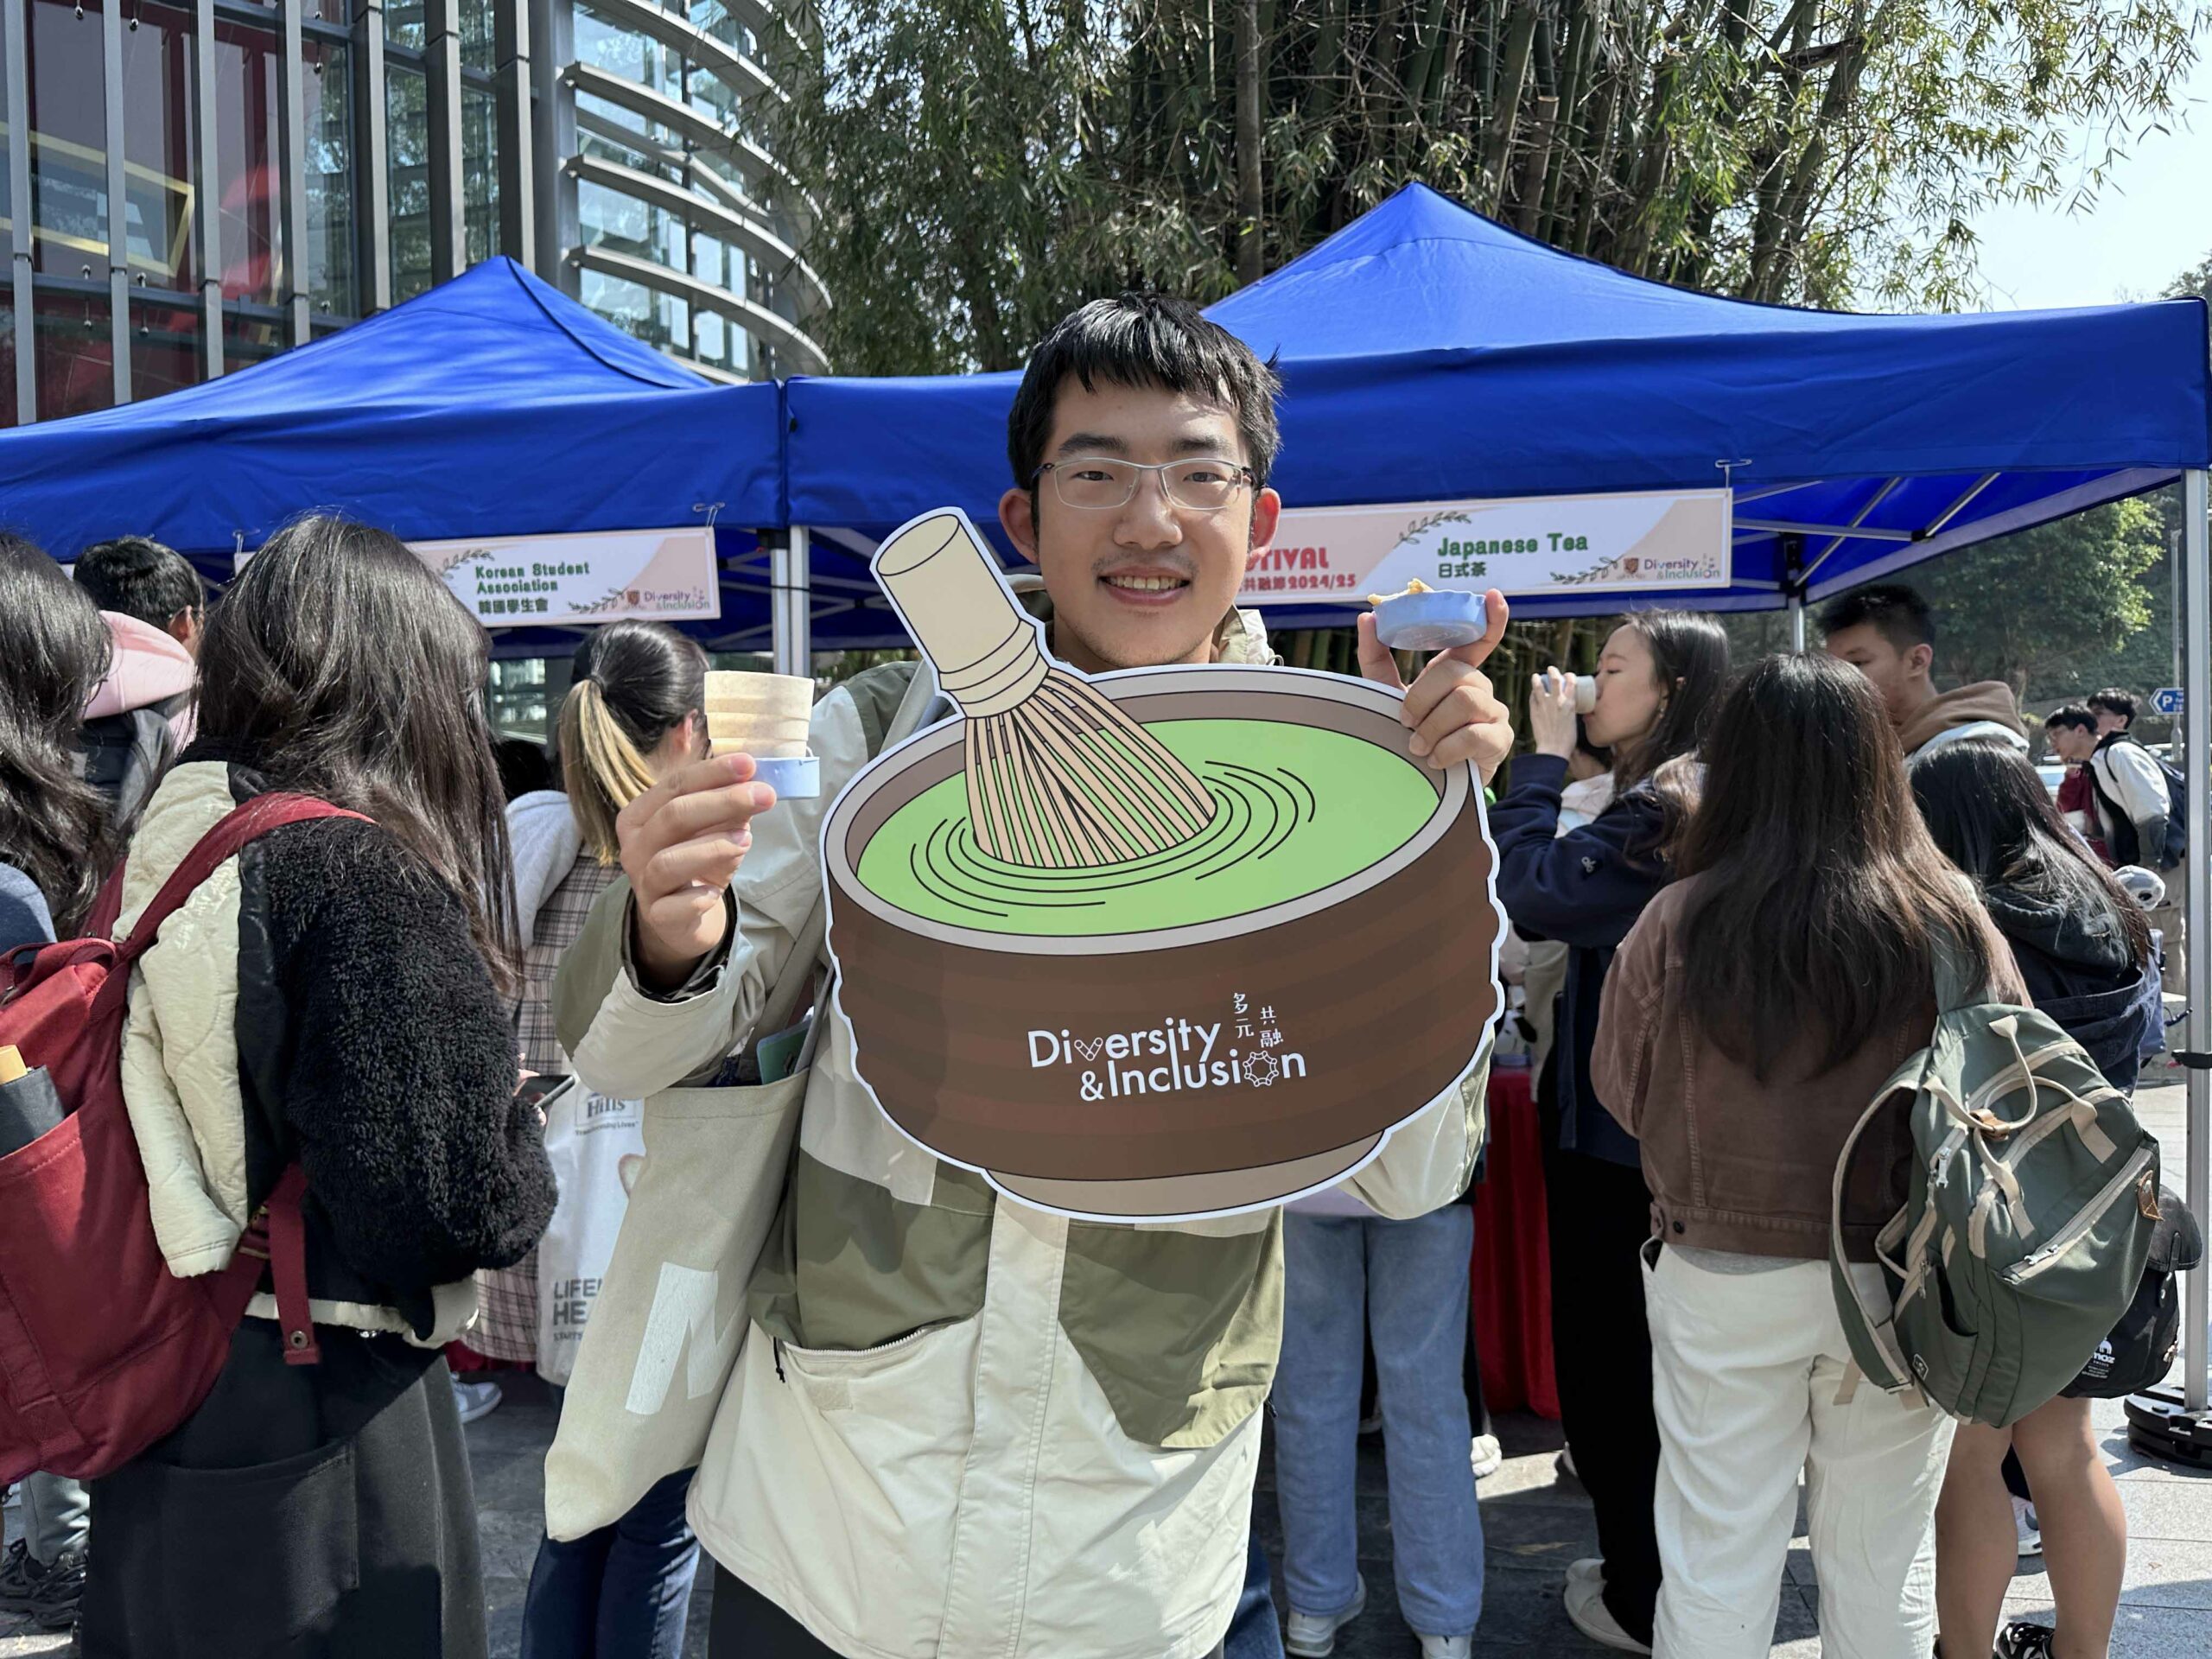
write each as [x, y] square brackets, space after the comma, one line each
[278, 1238]
[1870, 1329]
[232, 834]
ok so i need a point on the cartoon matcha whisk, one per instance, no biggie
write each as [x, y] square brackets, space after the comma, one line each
[1057, 776]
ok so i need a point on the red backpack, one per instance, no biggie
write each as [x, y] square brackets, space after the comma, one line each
[103, 1350]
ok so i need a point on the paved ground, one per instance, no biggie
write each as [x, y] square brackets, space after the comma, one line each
[1535, 1522]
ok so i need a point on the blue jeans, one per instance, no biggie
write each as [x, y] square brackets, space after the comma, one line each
[621, 1593]
[57, 1516]
[1253, 1633]
[1409, 1280]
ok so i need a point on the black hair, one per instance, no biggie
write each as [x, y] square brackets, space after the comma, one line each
[138, 576]
[635, 682]
[1895, 612]
[524, 767]
[1147, 340]
[2073, 715]
[1819, 924]
[1689, 654]
[2113, 701]
[337, 665]
[1990, 813]
[54, 650]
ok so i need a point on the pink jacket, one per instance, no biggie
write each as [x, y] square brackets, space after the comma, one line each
[147, 667]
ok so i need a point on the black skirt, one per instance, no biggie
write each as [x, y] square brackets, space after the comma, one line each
[316, 1511]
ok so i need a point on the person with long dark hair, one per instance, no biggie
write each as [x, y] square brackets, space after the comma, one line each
[331, 997]
[1761, 1002]
[2083, 947]
[54, 650]
[1659, 677]
[635, 712]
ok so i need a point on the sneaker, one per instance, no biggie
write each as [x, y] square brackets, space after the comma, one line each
[1447, 1647]
[1590, 1569]
[2021, 1640]
[475, 1399]
[19, 1577]
[53, 1607]
[2029, 1526]
[1486, 1456]
[1313, 1636]
[1585, 1606]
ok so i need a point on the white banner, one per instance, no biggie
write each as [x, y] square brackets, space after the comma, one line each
[522, 582]
[517, 582]
[1538, 544]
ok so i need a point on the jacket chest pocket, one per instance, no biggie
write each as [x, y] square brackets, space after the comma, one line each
[1180, 1330]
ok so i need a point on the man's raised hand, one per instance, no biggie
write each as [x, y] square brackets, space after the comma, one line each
[682, 841]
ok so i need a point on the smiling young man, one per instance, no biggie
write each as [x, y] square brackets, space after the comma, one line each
[962, 1426]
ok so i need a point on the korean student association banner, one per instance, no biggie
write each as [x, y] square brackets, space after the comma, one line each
[520, 581]
[662, 575]
[1536, 544]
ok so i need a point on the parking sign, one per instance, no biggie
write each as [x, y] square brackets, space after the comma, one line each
[2166, 700]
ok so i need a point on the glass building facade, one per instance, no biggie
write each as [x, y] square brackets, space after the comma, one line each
[187, 188]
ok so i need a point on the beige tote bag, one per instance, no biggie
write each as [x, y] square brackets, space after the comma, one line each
[666, 1330]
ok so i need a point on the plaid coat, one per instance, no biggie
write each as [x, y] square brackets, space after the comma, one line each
[506, 1323]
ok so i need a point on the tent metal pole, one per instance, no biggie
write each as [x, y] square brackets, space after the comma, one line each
[2174, 616]
[2196, 714]
[792, 609]
[1797, 621]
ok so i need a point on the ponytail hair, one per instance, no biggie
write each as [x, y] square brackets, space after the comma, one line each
[635, 682]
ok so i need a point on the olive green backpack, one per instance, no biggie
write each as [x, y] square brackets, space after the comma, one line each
[2033, 1194]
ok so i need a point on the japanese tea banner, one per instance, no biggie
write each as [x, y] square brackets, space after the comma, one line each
[664, 575]
[1537, 544]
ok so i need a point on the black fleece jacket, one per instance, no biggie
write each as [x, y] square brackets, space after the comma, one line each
[1584, 889]
[374, 1050]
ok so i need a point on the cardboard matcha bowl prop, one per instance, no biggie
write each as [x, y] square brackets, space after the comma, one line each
[1221, 1026]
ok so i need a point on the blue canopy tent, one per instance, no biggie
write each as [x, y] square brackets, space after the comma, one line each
[1431, 355]
[490, 405]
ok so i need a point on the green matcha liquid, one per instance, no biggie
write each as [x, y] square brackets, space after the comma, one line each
[1275, 836]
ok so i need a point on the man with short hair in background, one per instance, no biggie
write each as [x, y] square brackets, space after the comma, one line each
[142, 715]
[2115, 709]
[2072, 732]
[1886, 633]
[138, 576]
[2136, 803]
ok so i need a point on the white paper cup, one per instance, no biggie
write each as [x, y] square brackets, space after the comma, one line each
[1586, 688]
[764, 715]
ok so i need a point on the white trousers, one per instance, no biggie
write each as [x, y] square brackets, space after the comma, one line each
[1746, 1373]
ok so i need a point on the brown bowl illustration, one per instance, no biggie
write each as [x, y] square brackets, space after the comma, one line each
[1227, 1025]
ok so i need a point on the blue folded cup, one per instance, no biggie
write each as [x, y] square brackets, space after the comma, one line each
[1430, 621]
[794, 778]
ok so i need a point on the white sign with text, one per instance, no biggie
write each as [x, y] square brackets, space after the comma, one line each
[1535, 544]
[513, 581]
[522, 582]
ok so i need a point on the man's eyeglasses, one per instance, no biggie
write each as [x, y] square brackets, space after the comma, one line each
[1102, 483]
